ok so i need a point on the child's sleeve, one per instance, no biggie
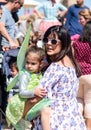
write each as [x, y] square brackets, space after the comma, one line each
[23, 81]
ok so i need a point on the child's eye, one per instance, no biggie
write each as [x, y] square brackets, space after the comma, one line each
[33, 63]
[27, 62]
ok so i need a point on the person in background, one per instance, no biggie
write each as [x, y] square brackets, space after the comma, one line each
[84, 16]
[50, 11]
[7, 24]
[14, 72]
[0, 12]
[2, 2]
[61, 82]
[72, 18]
[14, 14]
[82, 53]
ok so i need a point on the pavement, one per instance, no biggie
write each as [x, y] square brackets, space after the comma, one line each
[3, 122]
[5, 126]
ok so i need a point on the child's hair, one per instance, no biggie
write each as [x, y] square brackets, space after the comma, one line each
[14, 64]
[41, 55]
[39, 51]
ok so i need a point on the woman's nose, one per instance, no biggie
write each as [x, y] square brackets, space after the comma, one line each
[49, 42]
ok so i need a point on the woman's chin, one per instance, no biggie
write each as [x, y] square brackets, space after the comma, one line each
[50, 53]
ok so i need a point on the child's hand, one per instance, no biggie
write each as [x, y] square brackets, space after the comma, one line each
[40, 92]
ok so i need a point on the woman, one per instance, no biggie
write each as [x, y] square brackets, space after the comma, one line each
[82, 53]
[84, 16]
[61, 82]
[51, 9]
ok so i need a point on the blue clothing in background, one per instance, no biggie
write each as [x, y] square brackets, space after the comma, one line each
[9, 22]
[0, 120]
[72, 19]
[0, 126]
[6, 58]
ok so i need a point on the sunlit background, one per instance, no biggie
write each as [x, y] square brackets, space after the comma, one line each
[28, 10]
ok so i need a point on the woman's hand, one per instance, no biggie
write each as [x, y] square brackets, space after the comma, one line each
[40, 92]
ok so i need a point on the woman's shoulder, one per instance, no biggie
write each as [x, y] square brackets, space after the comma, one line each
[56, 66]
[53, 66]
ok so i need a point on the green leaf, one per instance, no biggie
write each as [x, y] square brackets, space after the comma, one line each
[12, 83]
[22, 51]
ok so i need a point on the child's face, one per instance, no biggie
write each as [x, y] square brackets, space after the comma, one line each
[32, 63]
[14, 71]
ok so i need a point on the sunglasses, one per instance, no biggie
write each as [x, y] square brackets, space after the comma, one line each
[53, 41]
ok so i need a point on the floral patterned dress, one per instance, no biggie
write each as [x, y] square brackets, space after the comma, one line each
[62, 86]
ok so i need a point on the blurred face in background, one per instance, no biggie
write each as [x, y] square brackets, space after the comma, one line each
[79, 2]
[18, 4]
[53, 1]
[82, 20]
[0, 12]
[14, 70]
[84, 16]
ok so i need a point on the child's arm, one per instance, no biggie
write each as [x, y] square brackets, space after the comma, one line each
[23, 81]
[23, 92]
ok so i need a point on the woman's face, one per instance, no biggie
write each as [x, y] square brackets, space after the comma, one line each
[52, 45]
[82, 20]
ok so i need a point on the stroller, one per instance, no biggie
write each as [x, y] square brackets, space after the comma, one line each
[1, 55]
[5, 75]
